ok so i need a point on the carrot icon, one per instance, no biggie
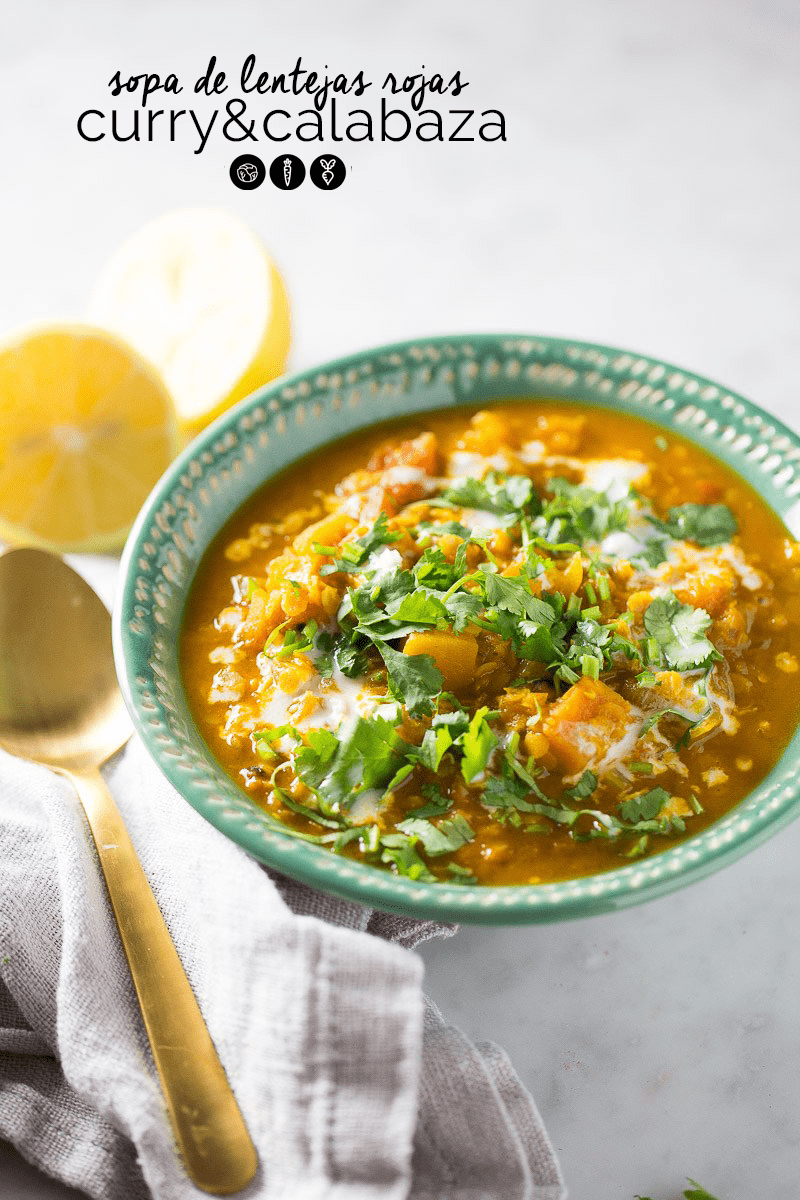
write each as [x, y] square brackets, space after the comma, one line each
[287, 170]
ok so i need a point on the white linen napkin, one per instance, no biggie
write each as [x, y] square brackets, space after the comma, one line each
[352, 1085]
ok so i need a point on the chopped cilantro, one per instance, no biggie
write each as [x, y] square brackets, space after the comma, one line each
[509, 496]
[398, 850]
[647, 679]
[644, 807]
[501, 792]
[435, 745]
[304, 811]
[297, 641]
[695, 1192]
[558, 813]
[413, 678]
[706, 524]
[654, 552]
[337, 768]
[513, 593]
[351, 658]
[262, 740]
[678, 630]
[353, 554]
[639, 847]
[438, 528]
[445, 838]
[438, 804]
[434, 571]
[477, 743]
[400, 776]
[460, 874]
[420, 607]
[462, 609]
[578, 514]
[655, 717]
[584, 787]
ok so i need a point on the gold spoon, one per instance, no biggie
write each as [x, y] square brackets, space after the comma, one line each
[60, 705]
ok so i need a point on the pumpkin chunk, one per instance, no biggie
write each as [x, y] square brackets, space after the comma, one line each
[586, 722]
[455, 655]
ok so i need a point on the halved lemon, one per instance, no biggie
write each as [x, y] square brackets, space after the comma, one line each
[86, 429]
[197, 294]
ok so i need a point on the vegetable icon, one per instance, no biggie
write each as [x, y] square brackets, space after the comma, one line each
[287, 171]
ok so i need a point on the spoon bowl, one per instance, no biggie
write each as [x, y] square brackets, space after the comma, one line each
[59, 699]
[60, 705]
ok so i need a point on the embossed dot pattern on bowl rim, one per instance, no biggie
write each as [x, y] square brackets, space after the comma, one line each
[295, 415]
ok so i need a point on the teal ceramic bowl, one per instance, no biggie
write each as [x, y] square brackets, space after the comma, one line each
[296, 415]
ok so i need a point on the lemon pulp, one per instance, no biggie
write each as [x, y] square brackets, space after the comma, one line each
[86, 429]
[197, 294]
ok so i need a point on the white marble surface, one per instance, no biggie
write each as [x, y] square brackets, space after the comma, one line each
[648, 196]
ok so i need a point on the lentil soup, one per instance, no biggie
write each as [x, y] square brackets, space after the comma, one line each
[510, 646]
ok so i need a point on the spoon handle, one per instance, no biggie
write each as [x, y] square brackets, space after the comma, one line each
[210, 1130]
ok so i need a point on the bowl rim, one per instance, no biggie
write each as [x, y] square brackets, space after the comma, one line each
[772, 804]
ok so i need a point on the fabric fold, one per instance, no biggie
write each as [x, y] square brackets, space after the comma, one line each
[350, 1087]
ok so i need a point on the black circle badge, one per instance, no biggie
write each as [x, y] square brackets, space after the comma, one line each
[327, 172]
[247, 172]
[287, 172]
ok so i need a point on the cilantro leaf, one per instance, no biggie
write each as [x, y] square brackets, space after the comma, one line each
[438, 804]
[457, 722]
[420, 607]
[304, 811]
[506, 793]
[706, 524]
[536, 643]
[576, 513]
[655, 717]
[379, 535]
[427, 529]
[398, 850]
[584, 787]
[414, 678]
[460, 874]
[513, 593]
[435, 745]
[351, 658]
[447, 837]
[433, 570]
[350, 555]
[317, 754]
[558, 813]
[512, 764]
[510, 495]
[477, 743]
[678, 630]
[697, 1192]
[337, 768]
[462, 609]
[644, 807]
[400, 775]
[654, 552]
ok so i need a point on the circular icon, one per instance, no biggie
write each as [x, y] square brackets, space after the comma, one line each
[287, 172]
[327, 172]
[247, 172]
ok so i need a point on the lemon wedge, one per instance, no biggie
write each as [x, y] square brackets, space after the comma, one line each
[86, 429]
[197, 294]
